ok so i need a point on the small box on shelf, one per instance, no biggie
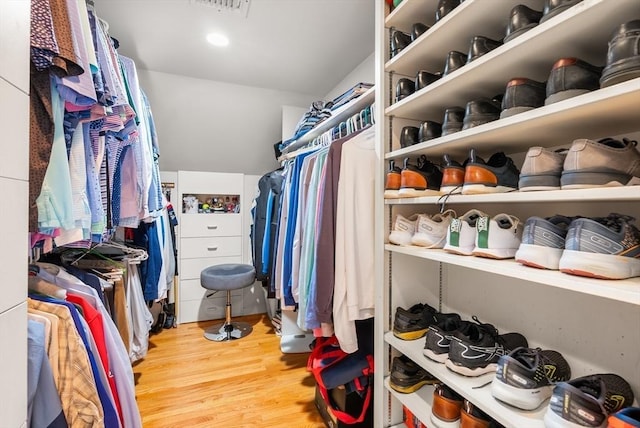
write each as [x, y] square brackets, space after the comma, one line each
[410, 420]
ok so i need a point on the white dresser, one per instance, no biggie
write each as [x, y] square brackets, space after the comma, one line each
[207, 239]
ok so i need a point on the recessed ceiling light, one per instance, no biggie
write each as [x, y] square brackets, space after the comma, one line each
[217, 39]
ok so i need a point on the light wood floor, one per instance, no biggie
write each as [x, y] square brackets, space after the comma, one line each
[189, 382]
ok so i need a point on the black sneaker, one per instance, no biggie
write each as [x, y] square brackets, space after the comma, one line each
[526, 377]
[476, 350]
[498, 175]
[587, 401]
[423, 179]
[407, 377]
[412, 323]
[438, 337]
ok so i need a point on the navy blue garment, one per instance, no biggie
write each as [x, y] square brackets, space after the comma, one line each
[145, 236]
[110, 413]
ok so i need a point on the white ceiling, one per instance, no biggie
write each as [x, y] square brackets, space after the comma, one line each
[304, 46]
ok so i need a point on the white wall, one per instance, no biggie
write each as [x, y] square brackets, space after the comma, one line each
[204, 125]
[365, 73]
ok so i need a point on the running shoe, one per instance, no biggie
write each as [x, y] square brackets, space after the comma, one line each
[446, 408]
[461, 236]
[475, 351]
[587, 401]
[526, 377]
[407, 376]
[602, 247]
[543, 241]
[431, 230]
[439, 335]
[625, 418]
[403, 230]
[497, 237]
[422, 179]
[498, 175]
[412, 323]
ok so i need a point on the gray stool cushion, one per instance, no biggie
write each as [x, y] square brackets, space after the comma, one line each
[230, 276]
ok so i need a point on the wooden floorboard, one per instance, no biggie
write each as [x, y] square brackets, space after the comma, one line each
[188, 381]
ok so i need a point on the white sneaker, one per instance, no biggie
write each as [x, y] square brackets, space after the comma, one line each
[431, 231]
[497, 237]
[403, 230]
[461, 235]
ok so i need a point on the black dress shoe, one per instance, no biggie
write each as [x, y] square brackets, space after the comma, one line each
[521, 95]
[444, 7]
[424, 78]
[417, 30]
[453, 117]
[409, 136]
[399, 41]
[521, 20]
[623, 57]
[479, 46]
[554, 7]
[571, 77]
[404, 88]
[429, 130]
[455, 60]
[481, 111]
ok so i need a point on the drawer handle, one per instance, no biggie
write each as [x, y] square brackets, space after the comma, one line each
[212, 248]
[212, 227]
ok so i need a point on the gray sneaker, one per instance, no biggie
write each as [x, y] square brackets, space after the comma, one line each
[543, 241]
[602, 247]
[541, 169]
[603, 163]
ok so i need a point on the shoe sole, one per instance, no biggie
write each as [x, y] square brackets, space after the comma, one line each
[400, 238]
[564, 95]
[514, 110]
[583, 180]
[539, 182]
[481, 189]
[496, 253]
[466, 371]
[411, 388]
[624, 70]
[426, 241]
[462, 251]
[410, 335]
[439, 423]
[415, 193]
[526, 399]
[601, 266]
[440, 358]
[451, 190]
[551, 420]
[391, 194]
[478, 120]
[539, 256]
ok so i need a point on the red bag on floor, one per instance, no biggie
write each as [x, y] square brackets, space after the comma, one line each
[331, 368]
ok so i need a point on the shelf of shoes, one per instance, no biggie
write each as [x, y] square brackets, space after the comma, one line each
[531, 55]
[602, 113]
[627, 290]
[420, 401]
[475, 389]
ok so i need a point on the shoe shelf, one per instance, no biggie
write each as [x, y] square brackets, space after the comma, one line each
[529, 55]
[408, 13]
[419, 402]
[601, 113]
[628, 193]
[475, 389]
[626, 290]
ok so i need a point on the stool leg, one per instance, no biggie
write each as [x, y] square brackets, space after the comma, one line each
[228, 330]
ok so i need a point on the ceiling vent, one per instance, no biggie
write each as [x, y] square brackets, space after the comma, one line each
[240, 7]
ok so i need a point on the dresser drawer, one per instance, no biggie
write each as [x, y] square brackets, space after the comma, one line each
[212, 308]
[191, 268]
[190, 289]
[200, 225]
[219, 246]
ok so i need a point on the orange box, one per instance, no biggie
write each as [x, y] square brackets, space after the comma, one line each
[410, 420]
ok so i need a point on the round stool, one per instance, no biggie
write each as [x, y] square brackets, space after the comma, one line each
[227, 277]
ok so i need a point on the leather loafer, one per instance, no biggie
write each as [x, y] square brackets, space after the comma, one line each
[455, 60]
[571, 77]
[554, 7]
[404, 88]
[623, 57]
[521, 95]
[445, 7]
[481, 111]
[521, 20]
[417, 30]
[424, 78]
[429, 130]
[409, 136]
[479, 46]
[453, 117]
[399, 41]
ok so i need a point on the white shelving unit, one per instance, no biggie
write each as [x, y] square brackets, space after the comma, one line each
[593, 323]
